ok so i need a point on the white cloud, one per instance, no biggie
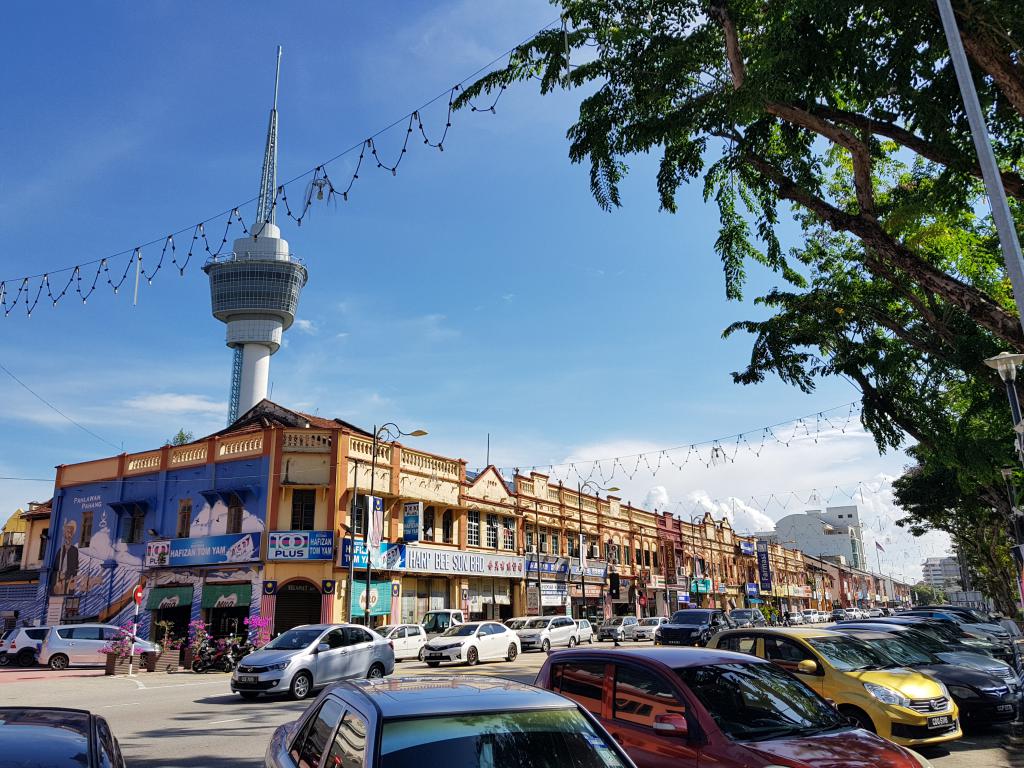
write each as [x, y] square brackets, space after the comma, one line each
[306, 326]
[170, 403]
[433, 327]
[657, 498]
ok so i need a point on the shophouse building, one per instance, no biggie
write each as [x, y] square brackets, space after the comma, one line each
[23, 539]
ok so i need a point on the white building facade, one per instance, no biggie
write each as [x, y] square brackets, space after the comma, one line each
[832, 532]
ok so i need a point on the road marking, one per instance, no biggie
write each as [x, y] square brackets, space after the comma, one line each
[129, 704]
[179, 685]
[229, 720]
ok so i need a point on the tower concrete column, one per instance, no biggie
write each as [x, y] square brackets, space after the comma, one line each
[255, 375]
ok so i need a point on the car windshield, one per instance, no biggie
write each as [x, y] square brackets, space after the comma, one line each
[515, 623]
[752, 702]
[462, 630]
[742, 614]
[537, 623]
[922, 640]
[848, 654]
[650, 622]
[615, 622]
[293, 640]
[691, 618]
[384, 630]
[436, 622]
[902, 653]
[560, 738]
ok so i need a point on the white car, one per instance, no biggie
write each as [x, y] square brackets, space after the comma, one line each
[648, 627]
[83, 644]
[824, 616]
[516, 622]
[544, 632]
[810, 616]
[473, 642]
[875, 613]
[407, 640]
[795, 618]
[585, 631]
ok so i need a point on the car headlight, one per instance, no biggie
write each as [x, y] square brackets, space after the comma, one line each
[887, 695]
[278, 667]
[962, 692]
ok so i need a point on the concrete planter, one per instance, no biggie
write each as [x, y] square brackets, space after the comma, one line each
[118, 665]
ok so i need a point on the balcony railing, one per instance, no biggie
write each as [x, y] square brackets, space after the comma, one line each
[307, 442]
[431, 465]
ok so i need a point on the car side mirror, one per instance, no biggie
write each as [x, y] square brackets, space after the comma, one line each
[323, 647]
[671, 724]
[807, 667]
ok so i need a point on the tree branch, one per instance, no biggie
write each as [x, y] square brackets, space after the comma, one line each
[720, 13]
[874, 398]
[999, 67]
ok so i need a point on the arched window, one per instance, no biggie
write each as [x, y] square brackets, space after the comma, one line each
[447, 527]
[428, 524]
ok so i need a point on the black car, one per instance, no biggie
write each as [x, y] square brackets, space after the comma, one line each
[693, 626]
[747, 617]
[982, 699]
[57, 738]
[950, 633]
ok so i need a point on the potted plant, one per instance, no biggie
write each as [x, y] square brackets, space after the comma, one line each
[118, 653]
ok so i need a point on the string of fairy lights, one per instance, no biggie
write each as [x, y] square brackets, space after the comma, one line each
[136, 264]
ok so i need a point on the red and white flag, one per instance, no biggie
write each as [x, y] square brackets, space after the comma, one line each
[327, 589]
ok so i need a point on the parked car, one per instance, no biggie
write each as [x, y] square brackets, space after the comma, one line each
[693, 626]
[913, 633]
[875, 613]
[685, 707]
[407, 640]
[69, 644]
[543, 632]
[21, 645]
[953, 635]
[585, 631]
[748, 617]
[981, 698]
[899, 704]
[463, 721]
[795, 618]
[473, 642]
[648, 626]
[619, 628]
[970, 623]
[308, 657]
[438, 621]
[810, 616]
[824, 617]
[57, 738]
[839, 614]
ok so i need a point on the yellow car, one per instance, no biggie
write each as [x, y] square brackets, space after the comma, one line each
[898, 703]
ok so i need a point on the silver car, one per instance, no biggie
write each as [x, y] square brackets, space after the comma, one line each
[585, 630]
[544, 632]
[619, 628]
[647, 627]
[311, 656]
[69, 644]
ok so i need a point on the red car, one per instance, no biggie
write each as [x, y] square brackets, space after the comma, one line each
[675, 707]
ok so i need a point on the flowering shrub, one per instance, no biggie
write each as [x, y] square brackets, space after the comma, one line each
[259, 630]
[121, 646]
[198, 635]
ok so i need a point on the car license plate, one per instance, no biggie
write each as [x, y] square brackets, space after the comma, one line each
[435, 655]
[1004, 708]
[939, 722]
[247, 678]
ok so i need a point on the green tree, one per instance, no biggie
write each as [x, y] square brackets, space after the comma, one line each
[926, 594]
[181, 438]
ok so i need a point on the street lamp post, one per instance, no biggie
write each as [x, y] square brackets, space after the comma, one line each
[580, 487]
[392, 432]
[693, 555]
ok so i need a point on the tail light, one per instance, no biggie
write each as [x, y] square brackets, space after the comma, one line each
[392, 644]
[13, 645]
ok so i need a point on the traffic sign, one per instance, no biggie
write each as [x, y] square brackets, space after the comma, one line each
[138, 595]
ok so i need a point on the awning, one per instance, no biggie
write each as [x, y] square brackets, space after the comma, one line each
[227, 595]
[168, 597]
[223, 495]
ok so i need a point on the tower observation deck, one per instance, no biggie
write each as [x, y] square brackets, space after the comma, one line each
[255, 289]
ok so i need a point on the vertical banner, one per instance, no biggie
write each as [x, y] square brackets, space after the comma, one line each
[412, 520]
[764, 567]
[583, 553]
[375, 522]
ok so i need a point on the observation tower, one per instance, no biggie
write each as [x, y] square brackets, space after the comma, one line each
[255, 289]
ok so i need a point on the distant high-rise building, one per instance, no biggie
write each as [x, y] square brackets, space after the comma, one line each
[833, 532]
[255, 289]
[941, 572]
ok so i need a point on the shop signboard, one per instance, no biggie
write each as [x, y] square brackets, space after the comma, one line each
[447, 561]
[700, 586]
[670, 560]
[683, 597]
[553, 594]
[595, 569]
[205, 550]
[752, 589]
[532, 601]
[300, 545]
[412, 520]
[390, 556]
[380, 598]
[556, 565]
[747, 548]
[764, 567]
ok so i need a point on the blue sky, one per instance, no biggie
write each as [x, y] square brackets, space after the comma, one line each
[479, 290]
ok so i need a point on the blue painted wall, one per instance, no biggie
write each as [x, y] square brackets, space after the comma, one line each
[103, 574]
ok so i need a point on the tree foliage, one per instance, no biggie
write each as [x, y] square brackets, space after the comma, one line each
[183, 437]
[849, 113]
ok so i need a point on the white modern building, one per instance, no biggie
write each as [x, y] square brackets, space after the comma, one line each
[832, 532]
[941, 572]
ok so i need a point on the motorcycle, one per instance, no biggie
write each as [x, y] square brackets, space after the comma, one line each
[237, 651]
[202, 660]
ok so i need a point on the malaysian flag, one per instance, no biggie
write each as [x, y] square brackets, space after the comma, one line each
[879, 547]
[327, 589]
[268, 603]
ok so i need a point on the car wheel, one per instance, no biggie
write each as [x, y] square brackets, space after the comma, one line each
[472, 657]
[433, 664]
[26, 658]
[545, 646]
[860, 717]
[58, 662]
[591, 639]
[572, 642]
[302, 686]
[512, 652]
[248, 695]
[376, 672]
[4, 659]
[422, 654]
[600, 639]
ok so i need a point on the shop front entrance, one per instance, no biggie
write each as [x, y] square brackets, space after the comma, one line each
[298, 602]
